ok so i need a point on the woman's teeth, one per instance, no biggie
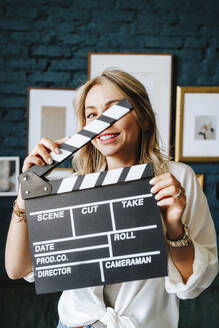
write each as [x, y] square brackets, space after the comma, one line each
[109, 136]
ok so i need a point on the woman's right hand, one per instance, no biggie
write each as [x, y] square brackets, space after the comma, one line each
[40, 155]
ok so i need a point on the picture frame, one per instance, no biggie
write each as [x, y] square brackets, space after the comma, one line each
[50, 114]
[154, 71]
[197, 124]
[9, 172]
[200, 178]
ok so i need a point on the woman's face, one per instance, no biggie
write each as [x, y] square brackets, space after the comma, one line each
[122, 138]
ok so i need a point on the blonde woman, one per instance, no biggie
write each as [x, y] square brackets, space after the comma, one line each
[150, 303]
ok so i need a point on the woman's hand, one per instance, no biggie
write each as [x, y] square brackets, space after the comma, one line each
[40, 155]
[172, 199]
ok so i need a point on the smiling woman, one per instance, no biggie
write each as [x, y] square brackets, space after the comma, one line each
[136, 133]
[188, 226]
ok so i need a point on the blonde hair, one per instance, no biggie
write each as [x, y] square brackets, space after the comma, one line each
[88, 159]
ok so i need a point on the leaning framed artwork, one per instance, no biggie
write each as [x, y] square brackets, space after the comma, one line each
[154, 71]
[9, 171]
[197, 124]
[50, 114]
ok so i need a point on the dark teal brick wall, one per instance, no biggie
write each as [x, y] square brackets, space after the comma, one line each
[46, 43]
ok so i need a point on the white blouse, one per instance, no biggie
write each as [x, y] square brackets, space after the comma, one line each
[152, 303]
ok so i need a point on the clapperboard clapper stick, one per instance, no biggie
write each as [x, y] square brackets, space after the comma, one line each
[96, 229]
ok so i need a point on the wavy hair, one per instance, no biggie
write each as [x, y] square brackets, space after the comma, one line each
[88, 159]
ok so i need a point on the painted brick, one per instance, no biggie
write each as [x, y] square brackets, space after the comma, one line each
[68, 64]
[113, 15]
[20, 11]
[2, 112]
[48, 77]
[140, 4]
[78, 78]
[190, 55]
[16, 114]
[8, 129]
[12, 88]
[82, 52]
[215, 216]
[79, 14]
[93, 4]
[15, 24]
[162, 7]
[9, 49]
[26, 63]
[203, 17]
[11, 76]
[99, 27]
[153, 18]
[180, 30]
[148, 29]
[210, 31]
[52, 51]
[70, 38]
[25, 37]
[10, 141]
[163, 42]
[3, 37]
[210, 189]
[2, 62]
[195, 43]
[14, 102]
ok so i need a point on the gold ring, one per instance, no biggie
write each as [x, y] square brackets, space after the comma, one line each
[178, 194]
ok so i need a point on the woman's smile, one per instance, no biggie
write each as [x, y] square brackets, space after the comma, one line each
[107, 138]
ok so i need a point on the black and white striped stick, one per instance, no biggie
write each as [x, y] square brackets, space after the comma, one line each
[89, 132]
[104, 178]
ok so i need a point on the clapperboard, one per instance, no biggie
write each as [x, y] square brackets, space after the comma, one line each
[96, 229]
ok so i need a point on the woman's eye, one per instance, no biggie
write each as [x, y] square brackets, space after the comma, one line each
[89, 116]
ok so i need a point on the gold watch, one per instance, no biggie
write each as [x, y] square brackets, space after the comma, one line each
[182, 242]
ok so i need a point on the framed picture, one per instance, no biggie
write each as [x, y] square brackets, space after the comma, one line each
[197, 124]
[154, 71]
[50, 114]
[9, 171]
[201, 179]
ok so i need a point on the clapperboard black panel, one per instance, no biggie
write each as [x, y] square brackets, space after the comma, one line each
[96, 229]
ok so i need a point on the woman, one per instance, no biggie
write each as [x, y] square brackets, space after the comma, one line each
[192, 261]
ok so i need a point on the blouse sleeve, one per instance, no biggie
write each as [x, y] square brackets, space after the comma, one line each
[202, 234]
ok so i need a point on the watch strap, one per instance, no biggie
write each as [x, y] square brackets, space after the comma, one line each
[182, 242]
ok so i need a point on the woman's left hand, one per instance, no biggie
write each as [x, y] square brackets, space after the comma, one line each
[172, 199]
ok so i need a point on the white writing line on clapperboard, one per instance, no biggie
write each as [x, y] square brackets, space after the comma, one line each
[153, 226]
[90, 204]
[102, 259]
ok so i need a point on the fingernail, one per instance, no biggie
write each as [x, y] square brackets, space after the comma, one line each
[152, 189]
[159, 203]
[156, 197]
[50, 161]
[151, 181]
[57, 150]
